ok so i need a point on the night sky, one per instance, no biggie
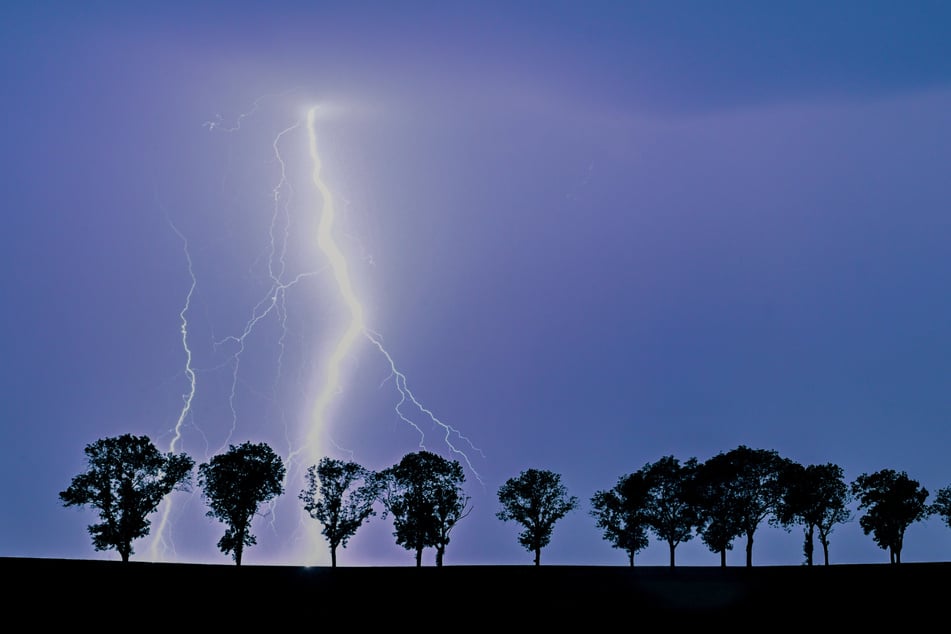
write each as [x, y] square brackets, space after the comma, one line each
[589, 235]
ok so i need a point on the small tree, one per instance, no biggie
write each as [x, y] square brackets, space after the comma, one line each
[942, 505]
[235, 484]
[893, 502]
[620, 514]
[536, 499]
[341, 496]
[423, 493]
[816, 497]
[670, 513]
[126, 479]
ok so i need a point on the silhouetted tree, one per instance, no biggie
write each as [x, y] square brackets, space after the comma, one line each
[757, 487]
[714, 498]
[423, 494]
[340, 495]
[620, 514]
[942, 505]
[235, 484]
[893, 502]
[536, 499]
[126, 480]
[816, 497]
[451, 505]
[670, 512]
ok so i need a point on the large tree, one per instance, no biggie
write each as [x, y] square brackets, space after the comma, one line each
[942, 505]
[452, 504]
[423, 493]
[817, 497]
[619, 513]
[536, 499]
[892, 502]
[126, 479]
[340, 494]
[717, 504]
[757, 487]
[670, 513]
[235, 484]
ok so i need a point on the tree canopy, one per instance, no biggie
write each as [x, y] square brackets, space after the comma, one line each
[126, 479]
[718, 505]
[670, 513]
[423, 493]
[339, 494]
[235, 484]
[620, 514]
[756, 488]
[536, 499]
[892, 502]
[942, 505]
[817, 497]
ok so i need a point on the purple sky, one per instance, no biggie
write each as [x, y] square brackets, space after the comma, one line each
[590, 234]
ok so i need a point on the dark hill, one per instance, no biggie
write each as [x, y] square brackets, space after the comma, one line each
[140, 594]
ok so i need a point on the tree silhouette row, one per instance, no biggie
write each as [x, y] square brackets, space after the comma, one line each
[721, 500]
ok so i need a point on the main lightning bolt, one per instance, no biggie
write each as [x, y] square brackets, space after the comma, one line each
[355, 328]
[310, 447]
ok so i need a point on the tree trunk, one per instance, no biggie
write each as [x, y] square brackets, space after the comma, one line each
[723, 558]
[538, 556]
[630, 557]
[808, 546]
[419, 557]
[825, 550]
[333, 556]
[439, 551]
[749, 549]
[672, 547]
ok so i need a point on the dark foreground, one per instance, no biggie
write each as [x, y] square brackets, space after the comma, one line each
[588, 598]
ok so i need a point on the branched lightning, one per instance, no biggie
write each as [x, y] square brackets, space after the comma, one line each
[315, 430]
[356, 325]
[407, 395]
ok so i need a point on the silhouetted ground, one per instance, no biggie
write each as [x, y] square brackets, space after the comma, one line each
[140, 595]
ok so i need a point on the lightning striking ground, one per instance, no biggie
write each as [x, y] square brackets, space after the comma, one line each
[187, 398]
[314, 434]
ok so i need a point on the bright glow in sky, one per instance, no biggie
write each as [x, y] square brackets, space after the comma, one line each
[577, 239]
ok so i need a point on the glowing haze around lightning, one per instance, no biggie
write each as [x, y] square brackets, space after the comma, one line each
[313, 437]
[340, 270]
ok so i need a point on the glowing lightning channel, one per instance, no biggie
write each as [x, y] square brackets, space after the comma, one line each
[356, 326]
[341, 274]
[188, 397]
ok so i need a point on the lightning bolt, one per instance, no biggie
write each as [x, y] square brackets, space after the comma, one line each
[356, 328]
[311, 441]
[187, 397]
[273, 300]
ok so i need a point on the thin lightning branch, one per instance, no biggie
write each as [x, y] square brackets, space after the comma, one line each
[274, 299]
[407, 394]
[189, 396]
